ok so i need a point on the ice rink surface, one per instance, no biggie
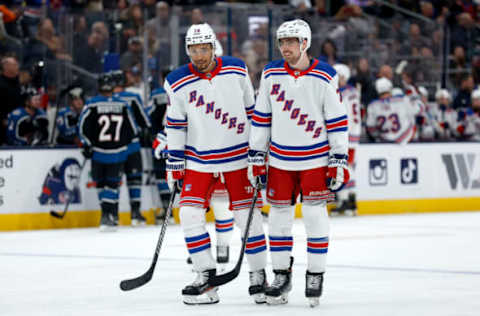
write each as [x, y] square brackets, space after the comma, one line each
[417, 265]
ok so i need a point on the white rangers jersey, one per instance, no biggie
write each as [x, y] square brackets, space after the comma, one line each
[208, 115]
[392, 119]
[299, 117]
[351, 99]
[444, 121]
[472, 126]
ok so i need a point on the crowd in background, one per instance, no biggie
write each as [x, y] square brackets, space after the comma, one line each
[46, 46]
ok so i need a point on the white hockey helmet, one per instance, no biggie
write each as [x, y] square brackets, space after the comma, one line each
[397, 92]
[423, 91]
[342, 71]
[200, 34]
[383, 85]
[295, 28]
[442, 93]
[218, 49]
[476, 94]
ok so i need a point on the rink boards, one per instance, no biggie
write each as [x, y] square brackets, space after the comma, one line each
[440, 177]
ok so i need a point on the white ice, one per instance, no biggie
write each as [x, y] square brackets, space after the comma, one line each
[425, 264]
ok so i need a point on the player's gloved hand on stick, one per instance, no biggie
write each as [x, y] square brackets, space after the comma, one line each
[87, 152]
[257, 168]
[337, 174]
[159, 146]
[175, 171]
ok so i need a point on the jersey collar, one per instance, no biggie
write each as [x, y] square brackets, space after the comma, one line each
[208, 75]
[297, 73]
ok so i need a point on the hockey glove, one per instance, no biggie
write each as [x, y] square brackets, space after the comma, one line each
[257, 168]
[337, 174]
[87, 152]
[159, 146]
[175, 172]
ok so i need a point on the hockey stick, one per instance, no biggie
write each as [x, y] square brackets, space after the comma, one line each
[127, 285]
[69, 197]
[229, 276]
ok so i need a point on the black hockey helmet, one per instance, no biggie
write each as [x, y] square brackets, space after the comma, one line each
[119, 79]
[27, 92]
[105, 82]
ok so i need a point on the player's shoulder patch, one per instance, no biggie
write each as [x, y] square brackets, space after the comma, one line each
[18, 111]
[178, 74]
[232, 61]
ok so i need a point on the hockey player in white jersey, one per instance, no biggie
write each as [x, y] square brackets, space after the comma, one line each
[300, 120]
[391, 119]
[350, 96]
[207, 134]
[444, 116]
[468, 126]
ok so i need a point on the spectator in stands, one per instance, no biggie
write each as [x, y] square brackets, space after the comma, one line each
[89, 55]
[415, 40]
[133, 26]
[458, 65]
[197, 16]
[364, 77]
[149, 7]
[428, 11]
[463, 33]
[28, 124]
[134, 53]
[386, 71]
[463, 98]
[10, 92]
[328, 52]
[159, 32]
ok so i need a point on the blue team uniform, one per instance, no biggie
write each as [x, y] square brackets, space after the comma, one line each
[24, 129]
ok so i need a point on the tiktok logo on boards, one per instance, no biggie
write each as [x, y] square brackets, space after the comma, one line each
[409, 171]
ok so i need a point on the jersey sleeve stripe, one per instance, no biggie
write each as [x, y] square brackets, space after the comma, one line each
[340, 118]
[318, 76]
[302, 153]
[185, 84]
[217, 156]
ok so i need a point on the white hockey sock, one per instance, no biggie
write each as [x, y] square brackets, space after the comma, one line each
[223, 220]
[280, 222]
[255, 251]
[315, 218]
[197, 238]
[342, 195]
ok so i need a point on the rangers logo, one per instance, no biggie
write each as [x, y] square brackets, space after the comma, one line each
[188, 187]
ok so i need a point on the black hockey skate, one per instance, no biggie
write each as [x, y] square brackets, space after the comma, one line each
[277, 293]
[137, 218]
[313, 287]
[258, 284]
[108, 223]
[223, 254]
[199, 291]
[346, 207]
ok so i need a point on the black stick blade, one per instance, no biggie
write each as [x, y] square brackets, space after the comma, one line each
[55, 214]
[127, 285]
[224, 278]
